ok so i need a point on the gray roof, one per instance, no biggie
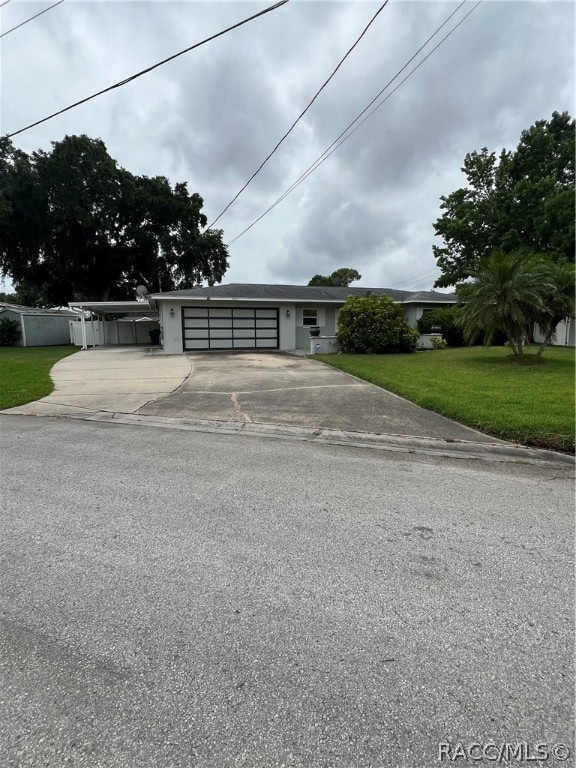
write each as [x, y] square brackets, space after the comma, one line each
[300, 293]
[21, 310]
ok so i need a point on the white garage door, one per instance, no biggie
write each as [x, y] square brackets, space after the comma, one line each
[215, 328]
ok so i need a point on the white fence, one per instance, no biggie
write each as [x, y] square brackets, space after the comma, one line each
[122, 332]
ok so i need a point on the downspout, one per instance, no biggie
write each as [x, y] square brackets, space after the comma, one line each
[23, 326]
[83, 321]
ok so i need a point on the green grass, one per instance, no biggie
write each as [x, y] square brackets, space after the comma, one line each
[531, 403]
[24, 373]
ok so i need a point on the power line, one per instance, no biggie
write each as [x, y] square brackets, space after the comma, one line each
[415, 277]
[5, 3]
[31, 17]
[149, 69]
[342, 138]
[301, 115]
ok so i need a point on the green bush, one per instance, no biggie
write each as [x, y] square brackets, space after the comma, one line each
[438, 342]
[9, 332]
[374, 325]
[447, 319]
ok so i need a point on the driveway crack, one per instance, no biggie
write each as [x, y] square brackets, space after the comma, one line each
[243, 416]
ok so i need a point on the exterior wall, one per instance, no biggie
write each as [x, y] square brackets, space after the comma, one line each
[293, 334]
[565, 334]
[171, 323]
[327, 314]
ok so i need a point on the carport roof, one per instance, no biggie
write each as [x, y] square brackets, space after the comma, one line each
[111, 307]
[266, 292]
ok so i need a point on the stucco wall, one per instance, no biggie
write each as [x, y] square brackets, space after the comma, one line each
[171, 323]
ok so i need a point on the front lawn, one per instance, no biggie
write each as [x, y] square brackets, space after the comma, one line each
[530, 404]
[24, 373]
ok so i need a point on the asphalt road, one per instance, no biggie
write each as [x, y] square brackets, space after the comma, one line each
[173, 599]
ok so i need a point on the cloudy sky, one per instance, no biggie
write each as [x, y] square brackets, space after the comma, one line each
[211, 116]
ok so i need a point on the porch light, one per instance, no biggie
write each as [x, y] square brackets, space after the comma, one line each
[287, 313]
[171, 311]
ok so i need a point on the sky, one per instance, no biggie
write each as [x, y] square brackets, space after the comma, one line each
[211, 116]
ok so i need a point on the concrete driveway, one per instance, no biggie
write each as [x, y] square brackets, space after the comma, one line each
[266, 388]
[115, 379]
[282, 389]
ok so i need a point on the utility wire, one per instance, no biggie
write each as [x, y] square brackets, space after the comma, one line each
[342, 138]
[31, 17]
[415, 277]
[301, 115]
[5, 3]
[154, 66]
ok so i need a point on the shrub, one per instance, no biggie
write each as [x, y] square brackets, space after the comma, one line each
[374, 325]
[9, 332]
[447, 319]
[438, 342]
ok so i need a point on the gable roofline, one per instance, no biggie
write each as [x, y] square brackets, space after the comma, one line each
[263, 292]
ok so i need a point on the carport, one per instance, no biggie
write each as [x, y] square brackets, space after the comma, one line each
[139, 317]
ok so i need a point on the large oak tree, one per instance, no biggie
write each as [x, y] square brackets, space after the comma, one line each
[75, 225]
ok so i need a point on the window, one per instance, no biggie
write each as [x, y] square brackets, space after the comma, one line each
[309, 317]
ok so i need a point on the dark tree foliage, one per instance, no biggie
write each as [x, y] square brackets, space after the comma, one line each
[9, 332]
[75, 225]
[522, 200]
[447, 319]
[339, 278]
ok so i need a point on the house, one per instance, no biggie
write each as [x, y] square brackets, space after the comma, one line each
[234, 316]
[39, 327]
[257, 316]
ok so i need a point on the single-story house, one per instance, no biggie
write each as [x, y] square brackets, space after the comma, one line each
[234, 316]
[39, 327]
[256, 316]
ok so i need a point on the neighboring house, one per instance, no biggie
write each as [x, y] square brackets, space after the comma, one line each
[564, 333]
[39, 327]
[255, 316]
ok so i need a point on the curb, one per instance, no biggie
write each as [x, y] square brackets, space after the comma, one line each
[451, 448]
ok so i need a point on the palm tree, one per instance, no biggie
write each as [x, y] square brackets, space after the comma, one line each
[559, 304]
[508, 292]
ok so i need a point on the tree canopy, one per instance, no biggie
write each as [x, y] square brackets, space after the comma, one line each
[75, 225]
[522, 200]
[339, 278]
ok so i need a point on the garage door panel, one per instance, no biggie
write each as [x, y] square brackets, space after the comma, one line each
[266, 313]
[194, 312]
[269, 343]
[196, 333]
